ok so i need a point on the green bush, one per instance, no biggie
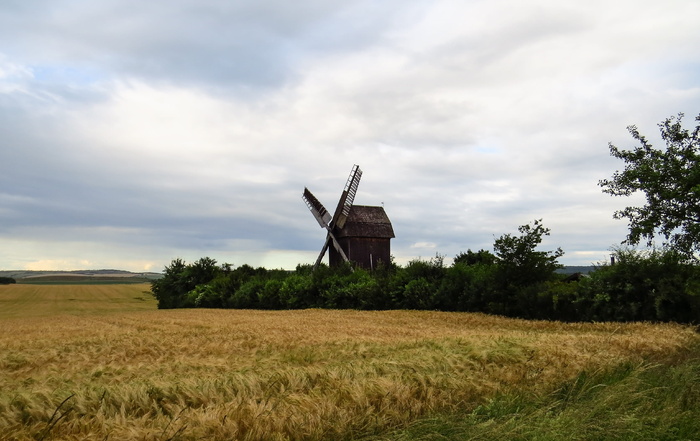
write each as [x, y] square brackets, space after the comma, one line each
[417, 285]
[269, 295]
[658, 285]
[297, 292]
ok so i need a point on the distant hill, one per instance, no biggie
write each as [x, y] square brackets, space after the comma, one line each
[100, 276]
[576, 269]
[107, 276]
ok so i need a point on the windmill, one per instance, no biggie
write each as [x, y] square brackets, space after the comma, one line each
[359, 234]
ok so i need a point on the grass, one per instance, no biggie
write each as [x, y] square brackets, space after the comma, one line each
[107, 365]
[78, 280]
[25, 301]
[628, 402]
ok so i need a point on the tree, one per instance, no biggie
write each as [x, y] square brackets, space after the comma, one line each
[650, 285]
[522, 273]
[180, 278]
[481, 257]
[170, 289]
[518, 261]
[200, 272]
[670, 180]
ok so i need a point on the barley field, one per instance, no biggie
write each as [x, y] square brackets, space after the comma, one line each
[101, 362]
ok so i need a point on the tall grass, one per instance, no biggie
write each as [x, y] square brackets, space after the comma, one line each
[627, 402]
[288, 375]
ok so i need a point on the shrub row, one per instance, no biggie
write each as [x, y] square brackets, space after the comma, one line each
[641, 286]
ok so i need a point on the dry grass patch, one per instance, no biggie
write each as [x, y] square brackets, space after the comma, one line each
[22, 301]
[288, 375]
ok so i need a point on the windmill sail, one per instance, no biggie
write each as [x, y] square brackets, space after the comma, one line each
[335, 223]
[323, 218]
[347, 198]
[317, 209]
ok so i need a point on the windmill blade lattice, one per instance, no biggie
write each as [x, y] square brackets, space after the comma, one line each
[323, 217]
[347, 198]
[337, 222]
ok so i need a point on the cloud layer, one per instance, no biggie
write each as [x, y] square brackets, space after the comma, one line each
[136, 132]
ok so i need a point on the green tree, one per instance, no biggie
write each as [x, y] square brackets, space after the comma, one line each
[520, 264]
[202, 271]
[654, 285]
[670, 180]
[482, 257]
[179, 279]
[416, 286]
[170, 289]
[522, 273]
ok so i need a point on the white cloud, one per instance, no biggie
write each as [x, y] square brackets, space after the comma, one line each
[10, 71]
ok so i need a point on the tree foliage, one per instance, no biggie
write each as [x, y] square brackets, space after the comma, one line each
[519, 261]
[518, 281]
[180, 279]
[670, 180]
[657, 285]
[481, 257]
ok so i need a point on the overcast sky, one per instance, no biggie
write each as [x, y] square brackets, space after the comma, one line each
[134, 132]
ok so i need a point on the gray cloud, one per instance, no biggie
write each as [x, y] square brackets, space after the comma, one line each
[211, 44]
[139, 132]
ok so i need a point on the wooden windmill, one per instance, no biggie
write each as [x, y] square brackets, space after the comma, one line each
[359, 234]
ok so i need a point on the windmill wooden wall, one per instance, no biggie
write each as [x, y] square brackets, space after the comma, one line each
[365, 237]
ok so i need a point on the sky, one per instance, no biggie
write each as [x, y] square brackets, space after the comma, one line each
[133, 133]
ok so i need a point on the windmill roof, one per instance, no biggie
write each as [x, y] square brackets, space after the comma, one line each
[367, 221]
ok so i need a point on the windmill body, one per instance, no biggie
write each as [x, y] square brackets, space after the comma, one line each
[355, 233]
[365, 237]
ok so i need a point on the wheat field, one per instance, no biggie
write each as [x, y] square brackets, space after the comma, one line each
[108, 365]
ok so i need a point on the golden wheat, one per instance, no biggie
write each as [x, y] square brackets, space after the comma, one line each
[286, 375]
